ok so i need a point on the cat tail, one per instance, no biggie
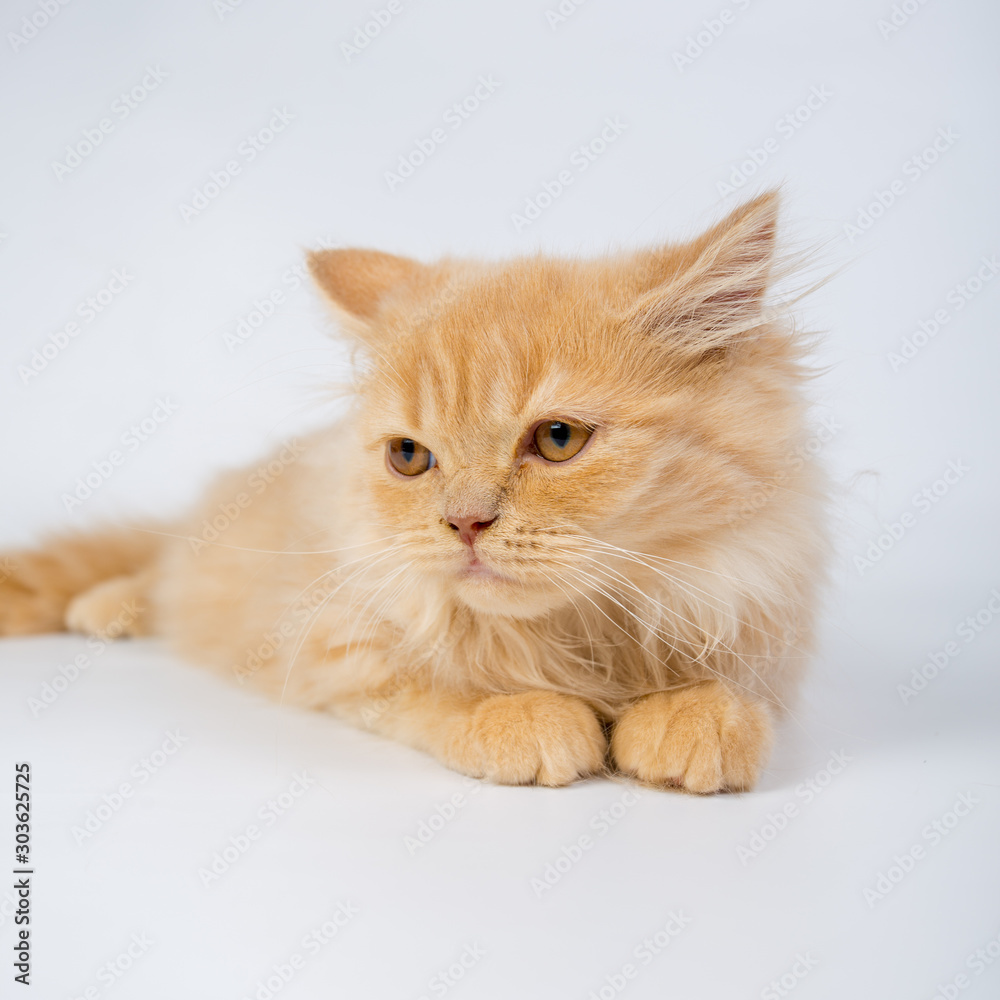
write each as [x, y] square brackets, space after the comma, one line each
[98, 583]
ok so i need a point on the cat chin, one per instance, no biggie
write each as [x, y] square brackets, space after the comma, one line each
[500, 597]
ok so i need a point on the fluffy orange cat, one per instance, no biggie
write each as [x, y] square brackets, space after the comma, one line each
[568, 521]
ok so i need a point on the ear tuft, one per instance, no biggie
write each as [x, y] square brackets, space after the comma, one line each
[358, 282]
[712, 290]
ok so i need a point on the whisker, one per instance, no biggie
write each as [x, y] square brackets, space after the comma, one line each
[314, 617]
[683, 586]
[276, 552]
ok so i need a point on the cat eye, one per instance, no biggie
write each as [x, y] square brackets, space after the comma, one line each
[408, 457]
[559, 440]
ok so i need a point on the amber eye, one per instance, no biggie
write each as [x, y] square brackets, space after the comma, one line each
[408, 457]
[557, 440]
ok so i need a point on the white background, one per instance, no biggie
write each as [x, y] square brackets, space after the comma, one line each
[892, 433]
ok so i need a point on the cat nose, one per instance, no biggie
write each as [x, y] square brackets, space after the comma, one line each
[469, 527]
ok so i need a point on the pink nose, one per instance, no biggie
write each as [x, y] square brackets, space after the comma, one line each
[468, 528]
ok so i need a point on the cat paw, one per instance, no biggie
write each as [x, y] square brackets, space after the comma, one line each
[702, 739]
[109, 610]
[27, 603]
[538, 737]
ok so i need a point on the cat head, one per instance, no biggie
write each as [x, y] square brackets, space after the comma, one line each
[522, 422]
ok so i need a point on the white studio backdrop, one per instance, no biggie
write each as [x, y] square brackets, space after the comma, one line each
[166, 165]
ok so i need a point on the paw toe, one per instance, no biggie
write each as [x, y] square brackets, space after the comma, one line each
[538, 736]
[703, 739]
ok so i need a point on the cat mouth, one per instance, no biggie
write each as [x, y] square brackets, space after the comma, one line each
[474, 569]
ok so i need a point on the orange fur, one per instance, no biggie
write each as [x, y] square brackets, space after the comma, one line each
[662, 581]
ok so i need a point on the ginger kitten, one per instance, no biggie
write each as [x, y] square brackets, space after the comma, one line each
[566, 502]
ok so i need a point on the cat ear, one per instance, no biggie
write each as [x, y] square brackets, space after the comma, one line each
[709, 293]
[359, 282]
